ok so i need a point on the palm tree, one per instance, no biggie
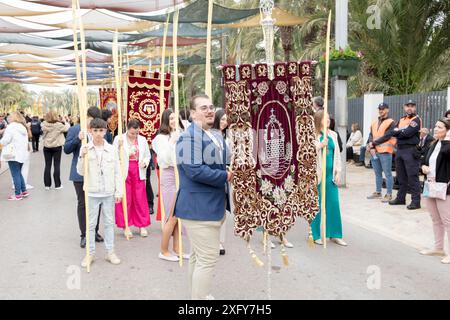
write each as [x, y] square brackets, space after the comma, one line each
[408, 53]
[12, 94]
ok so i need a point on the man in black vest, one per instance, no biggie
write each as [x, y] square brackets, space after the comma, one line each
[36, 132]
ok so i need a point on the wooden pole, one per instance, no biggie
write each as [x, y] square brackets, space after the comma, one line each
[120, 131]
[177, 113]
[325, 134]
[162, 107]
[208, 82]
[83, 121]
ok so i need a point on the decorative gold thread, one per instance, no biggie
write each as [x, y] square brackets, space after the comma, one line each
[145, 85]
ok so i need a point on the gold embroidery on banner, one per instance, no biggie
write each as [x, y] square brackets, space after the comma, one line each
[113, 124]
[147, 113]
[246, 72]
[301, 90]
[146, 85]
[281, 71]
[263, 87]
[298, 195]
[306, 69]
[281, 87]
[230, 73]
[292, 68]
[262, 71]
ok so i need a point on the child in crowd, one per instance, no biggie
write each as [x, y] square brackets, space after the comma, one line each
[104, 186]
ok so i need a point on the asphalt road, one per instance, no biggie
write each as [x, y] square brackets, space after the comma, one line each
[40, 258]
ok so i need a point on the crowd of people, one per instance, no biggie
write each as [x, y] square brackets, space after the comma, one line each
[204, 187]
[409, 148]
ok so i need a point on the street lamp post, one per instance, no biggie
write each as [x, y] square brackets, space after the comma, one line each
[340, 86]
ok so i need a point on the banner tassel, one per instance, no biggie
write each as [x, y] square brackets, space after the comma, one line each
[311, 243]
[255, 258]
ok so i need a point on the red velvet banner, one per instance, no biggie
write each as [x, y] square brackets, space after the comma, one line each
[108, 100]
[143, 100]
[272, 143]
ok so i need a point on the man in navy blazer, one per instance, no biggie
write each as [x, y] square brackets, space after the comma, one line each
[201, 200]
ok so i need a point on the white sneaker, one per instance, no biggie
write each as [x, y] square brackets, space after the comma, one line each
[433, 252]
[168, 258]
[59, 188]
[446, 260]
[111, 257]
[29, 187]
[84, 263]
[339, 241]
[144, 232]
[47, 188]
[319, 242]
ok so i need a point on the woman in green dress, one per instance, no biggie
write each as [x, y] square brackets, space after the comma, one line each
[333, 170]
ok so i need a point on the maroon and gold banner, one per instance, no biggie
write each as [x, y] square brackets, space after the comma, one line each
[143, 100]
[108, 100]
[272, 143]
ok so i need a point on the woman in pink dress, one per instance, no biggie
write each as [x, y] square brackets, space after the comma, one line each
[164, 146]
[137, 153]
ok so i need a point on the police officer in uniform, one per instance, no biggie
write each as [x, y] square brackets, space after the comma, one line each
[407, 159]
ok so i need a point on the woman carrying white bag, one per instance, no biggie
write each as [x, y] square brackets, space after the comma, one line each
[437, 187]
[14, 144]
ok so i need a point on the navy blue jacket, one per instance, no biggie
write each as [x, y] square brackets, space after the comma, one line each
[36, 127]
[202, 176]
[409, 136]
[73, 145]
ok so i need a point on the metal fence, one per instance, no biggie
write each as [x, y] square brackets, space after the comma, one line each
[430, 107]
[355, 111]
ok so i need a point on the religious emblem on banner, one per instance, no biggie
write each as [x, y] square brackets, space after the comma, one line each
[272, 144]
[143, 100]
[108, 100]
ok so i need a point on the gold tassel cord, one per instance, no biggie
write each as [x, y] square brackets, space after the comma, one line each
[311, 243]
[255, 258]
[325, 135]
[284, 255]
[265, 237]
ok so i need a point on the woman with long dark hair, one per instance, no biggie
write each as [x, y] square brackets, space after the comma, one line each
[220, 126]
[164, 146]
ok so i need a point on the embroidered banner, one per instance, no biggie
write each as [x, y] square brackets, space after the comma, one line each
[108, 100]
[143, 100]
[272, 142]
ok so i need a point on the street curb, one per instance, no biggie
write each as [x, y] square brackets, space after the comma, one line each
[384, 232]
